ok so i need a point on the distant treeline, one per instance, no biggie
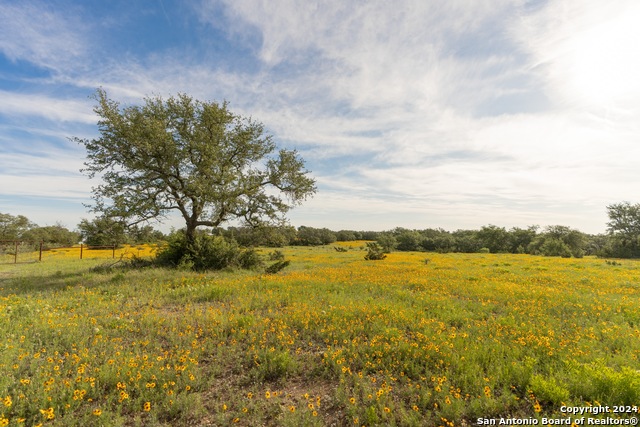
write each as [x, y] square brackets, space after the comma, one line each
[621, 241]
[98, 232]
[551, 241]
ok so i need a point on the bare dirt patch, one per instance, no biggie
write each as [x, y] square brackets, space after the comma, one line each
[269, 401]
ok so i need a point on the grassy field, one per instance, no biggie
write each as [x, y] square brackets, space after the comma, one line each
[26, 253]
[413, 340]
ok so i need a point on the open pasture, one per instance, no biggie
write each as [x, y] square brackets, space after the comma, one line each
[415, 339]
[29, 252]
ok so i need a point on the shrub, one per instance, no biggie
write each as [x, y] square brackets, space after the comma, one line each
[276, 267]
[206, 253]
[249, 259]
[555, 247]
[276, 255]
[374, 252]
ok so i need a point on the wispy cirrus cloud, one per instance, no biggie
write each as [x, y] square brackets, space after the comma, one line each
[378, 55]
[378, 76]
[16, 104]
[42, 181]
[39, 33]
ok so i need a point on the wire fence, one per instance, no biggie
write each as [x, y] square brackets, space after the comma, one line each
[16, 251]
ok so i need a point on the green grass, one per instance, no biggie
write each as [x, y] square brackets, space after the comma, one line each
[332, 339]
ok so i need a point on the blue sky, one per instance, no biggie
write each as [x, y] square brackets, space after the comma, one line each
[418, 113]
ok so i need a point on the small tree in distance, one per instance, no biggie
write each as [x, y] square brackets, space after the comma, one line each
[13, 227]
[102, 231]
[194, 157]
[624, 229]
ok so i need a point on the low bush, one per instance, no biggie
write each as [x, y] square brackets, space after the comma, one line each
[276, 267]
[276, 255]
[207, 252]
[375, 252]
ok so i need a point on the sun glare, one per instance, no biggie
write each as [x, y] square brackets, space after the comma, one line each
[603, 61]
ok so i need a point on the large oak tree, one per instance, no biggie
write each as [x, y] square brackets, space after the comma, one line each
[190, 156]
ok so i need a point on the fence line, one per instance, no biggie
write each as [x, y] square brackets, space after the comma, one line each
[12, 248]
[15, 248]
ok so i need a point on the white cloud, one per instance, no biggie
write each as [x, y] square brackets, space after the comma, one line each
[37, 158]
[362, 210]
[36, 32]
[16, 104]
[41, 170]
[375, 55]
[47, 186]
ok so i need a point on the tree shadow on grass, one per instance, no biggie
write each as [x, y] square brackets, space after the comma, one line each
[18, 282]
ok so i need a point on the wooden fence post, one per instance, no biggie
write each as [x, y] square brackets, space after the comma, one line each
[15, 257]
[113, 253]
[40, 255]
[81, 250]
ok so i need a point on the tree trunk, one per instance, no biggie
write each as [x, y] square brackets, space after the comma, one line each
[190, 236]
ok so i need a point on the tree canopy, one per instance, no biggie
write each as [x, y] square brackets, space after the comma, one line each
[12, 227]
[102, 231]
[624, 229]
[190, 156]
[51, 235]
